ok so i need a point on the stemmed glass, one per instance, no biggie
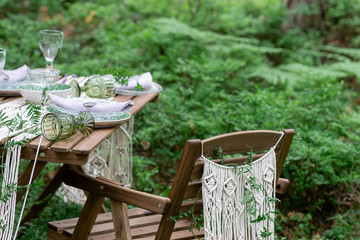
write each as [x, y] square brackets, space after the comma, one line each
[57, 126]
[95, 87]
[50, 41]
[3, 76]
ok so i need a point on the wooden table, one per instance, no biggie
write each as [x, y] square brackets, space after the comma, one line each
[72, 152]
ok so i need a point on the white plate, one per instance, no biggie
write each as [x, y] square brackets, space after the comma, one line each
[154, 88]
[11, 88]
[102, 120]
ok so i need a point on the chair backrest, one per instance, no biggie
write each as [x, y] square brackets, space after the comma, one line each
[186, 189]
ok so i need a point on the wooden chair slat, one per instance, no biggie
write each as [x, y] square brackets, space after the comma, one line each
[241, 142]
[195, 205]
[193, 190]
[139, 227]
[140, 232]
[101, 218]
[186, 234]
[199, 165]
[54, 235]
[151, 230]
[139, 222]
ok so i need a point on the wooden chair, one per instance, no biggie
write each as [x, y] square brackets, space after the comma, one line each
[151, 220]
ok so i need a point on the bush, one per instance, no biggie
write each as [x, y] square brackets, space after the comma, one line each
[227, 66]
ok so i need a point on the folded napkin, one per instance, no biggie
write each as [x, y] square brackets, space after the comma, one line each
[145, 80]
[102, 107]
[16, 75]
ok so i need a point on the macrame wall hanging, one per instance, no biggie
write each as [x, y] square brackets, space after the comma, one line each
[226, 216]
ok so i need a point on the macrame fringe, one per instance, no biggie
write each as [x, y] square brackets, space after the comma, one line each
[10, 178]
[225, 216]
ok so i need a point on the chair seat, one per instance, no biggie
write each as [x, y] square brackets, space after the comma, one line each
[143, 224]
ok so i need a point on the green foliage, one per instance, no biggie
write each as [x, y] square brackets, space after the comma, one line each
[346, 225]
[121, 75]
[225, 66]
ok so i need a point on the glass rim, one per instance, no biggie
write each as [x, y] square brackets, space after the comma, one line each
[2, 50]
[60, 126]
[52, 32]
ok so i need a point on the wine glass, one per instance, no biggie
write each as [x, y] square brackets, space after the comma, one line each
[3, 76]
[57, 126]
[100, 86]
[50, 41]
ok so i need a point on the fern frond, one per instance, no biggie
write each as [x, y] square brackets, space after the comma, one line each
[350, 68]
[352, 52]
[310, 72]
[172, 26]
[319, 54]
[274, 75]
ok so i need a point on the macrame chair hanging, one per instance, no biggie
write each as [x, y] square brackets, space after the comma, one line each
[226, 216]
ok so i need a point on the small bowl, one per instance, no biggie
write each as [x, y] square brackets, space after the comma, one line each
[43, 75]
[33, 93]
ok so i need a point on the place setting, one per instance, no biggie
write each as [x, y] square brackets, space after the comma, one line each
[70, 94]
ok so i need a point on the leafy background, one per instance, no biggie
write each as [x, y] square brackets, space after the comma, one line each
[225, 66]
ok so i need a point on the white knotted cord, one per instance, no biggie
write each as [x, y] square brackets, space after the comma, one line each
[10, 178]
[226, 217]
[28, 187]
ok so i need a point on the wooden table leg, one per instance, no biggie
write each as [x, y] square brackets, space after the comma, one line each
[49, 191]
[25, 177]
[45, 196]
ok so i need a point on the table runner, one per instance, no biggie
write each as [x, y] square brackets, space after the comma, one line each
[13, 110]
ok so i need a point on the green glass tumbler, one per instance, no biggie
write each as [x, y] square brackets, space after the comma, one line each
[100, 86]
[57, 126]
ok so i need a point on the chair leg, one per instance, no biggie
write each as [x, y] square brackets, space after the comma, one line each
[120, 220]
[88, 216]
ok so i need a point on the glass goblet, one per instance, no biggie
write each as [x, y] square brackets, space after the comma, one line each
[50, 41]
[57, 126]
[100, 86]
[76, 90]
[3, 76]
